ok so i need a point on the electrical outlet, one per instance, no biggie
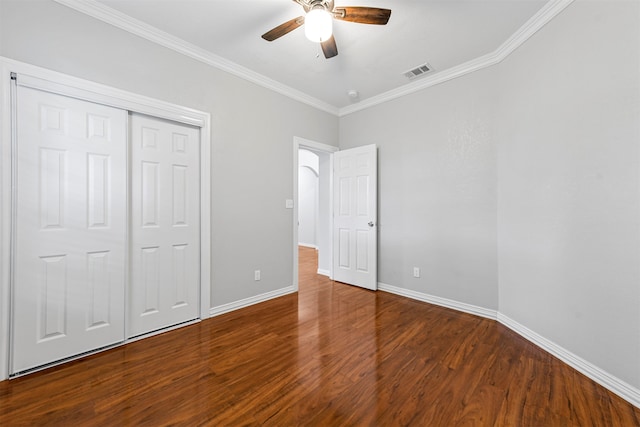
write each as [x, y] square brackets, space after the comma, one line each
[256, 275]
[416, 271]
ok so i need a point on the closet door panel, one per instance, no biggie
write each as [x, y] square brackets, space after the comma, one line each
[70, 228]
[165, 283]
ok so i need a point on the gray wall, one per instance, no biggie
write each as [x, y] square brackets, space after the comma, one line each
[324, 213]
[437, 188]
[517, 187]
[569, 184]
[252, 131]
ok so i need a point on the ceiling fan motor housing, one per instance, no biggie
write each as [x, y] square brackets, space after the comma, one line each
[317, 4]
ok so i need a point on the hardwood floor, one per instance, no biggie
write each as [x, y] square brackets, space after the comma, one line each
[331, 355]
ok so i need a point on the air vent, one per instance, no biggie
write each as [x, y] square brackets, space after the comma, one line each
[418, 71]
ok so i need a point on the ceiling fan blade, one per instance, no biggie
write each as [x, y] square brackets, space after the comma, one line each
[329, 48]
[363, 15]
[283, 29]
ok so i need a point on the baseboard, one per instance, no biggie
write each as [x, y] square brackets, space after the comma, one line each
[443, 302]
[324, 272]
[236, 305]
[608, 381]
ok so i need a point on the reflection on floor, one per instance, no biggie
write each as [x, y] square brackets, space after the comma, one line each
[331, 355]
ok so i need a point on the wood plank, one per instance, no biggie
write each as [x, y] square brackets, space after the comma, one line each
[332, 354]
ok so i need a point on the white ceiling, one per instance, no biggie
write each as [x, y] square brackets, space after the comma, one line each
[371, 59]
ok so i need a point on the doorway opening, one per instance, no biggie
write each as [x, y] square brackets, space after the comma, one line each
[312, 220]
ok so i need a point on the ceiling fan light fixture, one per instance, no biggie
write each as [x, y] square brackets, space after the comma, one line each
[318, 25]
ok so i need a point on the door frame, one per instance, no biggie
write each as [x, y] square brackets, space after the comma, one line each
[55, 82]
[303, 143]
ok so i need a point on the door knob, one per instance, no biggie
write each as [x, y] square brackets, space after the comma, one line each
[371, 224]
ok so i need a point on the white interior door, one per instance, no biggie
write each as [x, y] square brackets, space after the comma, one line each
[355, 237]
[70, 225]
[165, 224]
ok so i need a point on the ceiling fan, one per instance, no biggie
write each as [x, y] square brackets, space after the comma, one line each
[318, 22]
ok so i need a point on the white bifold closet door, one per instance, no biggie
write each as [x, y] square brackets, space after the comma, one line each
[70, 228]
[165, 224]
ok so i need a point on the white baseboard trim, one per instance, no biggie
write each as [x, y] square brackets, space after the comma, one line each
[443, 302]
[615, 385]
[608, 381]
[236, 305]
[324, 272]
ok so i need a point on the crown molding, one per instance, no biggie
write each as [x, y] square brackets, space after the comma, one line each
[117, 19]
[549, 11]
[432, 80]
[113, 17]
[537, 21]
